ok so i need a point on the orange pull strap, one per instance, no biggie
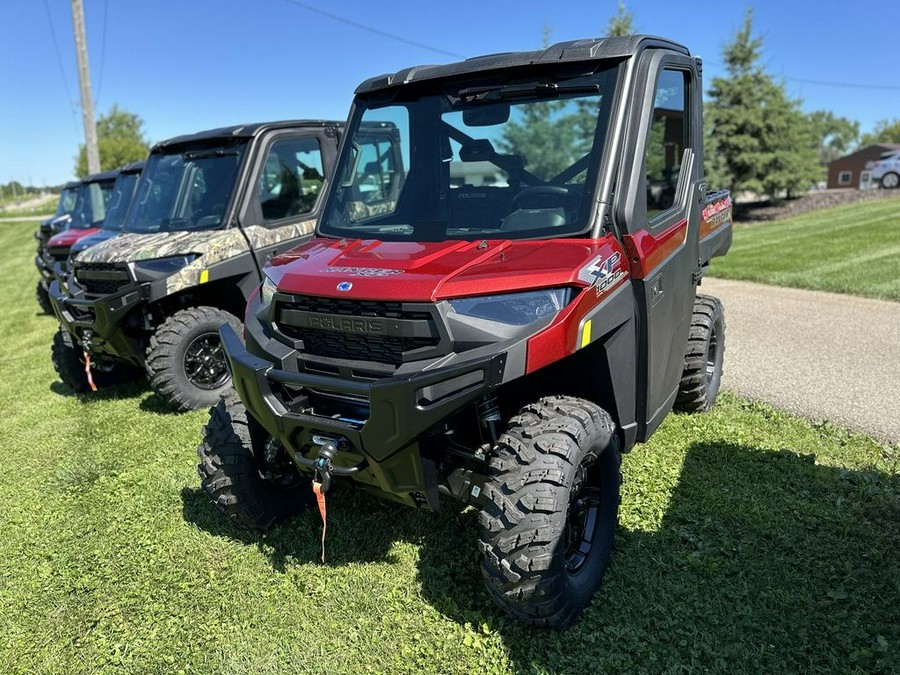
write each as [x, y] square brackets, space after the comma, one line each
[87, 371]
[320, 498]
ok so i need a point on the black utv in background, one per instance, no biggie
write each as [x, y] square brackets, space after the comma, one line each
[209, 211]
[82, 208]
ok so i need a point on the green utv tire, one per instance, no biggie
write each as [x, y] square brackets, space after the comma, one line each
[186, 364]
[68, 360]
[702, 374]
[551, 510]
[230, 471]
[43, 299]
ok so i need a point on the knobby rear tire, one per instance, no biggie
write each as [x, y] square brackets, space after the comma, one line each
[704, 357]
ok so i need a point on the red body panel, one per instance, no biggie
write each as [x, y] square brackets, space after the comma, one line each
[69, 237]
[427, 272]
[645, 251]
[431, 271]
[561, 338]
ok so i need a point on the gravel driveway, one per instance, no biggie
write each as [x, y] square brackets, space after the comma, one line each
[818, 355]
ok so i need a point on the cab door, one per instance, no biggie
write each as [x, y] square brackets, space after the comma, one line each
[286, 190]
[658, 211]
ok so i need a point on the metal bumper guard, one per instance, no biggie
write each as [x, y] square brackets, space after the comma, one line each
[101, 316]
[401, 408]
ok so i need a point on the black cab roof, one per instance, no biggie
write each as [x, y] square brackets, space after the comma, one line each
[241, 131]
[102, 177]
[591, 49]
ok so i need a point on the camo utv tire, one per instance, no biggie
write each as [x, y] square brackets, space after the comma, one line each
[68, 360]
[43, 299]
[704, 357]
[185, 360]
[230, 476]
[551, 510]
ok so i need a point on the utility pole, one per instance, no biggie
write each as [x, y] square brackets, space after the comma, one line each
[84, 79]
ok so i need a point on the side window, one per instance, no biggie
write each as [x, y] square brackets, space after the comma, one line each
[666, 141]
[377, 176]
[291, 179]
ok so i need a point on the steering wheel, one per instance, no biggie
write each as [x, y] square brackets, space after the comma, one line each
[538, 191]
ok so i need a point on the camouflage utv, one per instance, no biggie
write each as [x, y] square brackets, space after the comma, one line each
[209, 211]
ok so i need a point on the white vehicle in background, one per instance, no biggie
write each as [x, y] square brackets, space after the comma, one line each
[887, 170]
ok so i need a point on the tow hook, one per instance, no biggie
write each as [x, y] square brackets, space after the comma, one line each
[325, 465]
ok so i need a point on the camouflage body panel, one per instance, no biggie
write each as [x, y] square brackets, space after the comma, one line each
[211, 247]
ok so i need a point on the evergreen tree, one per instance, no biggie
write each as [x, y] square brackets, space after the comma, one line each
[621, 23]
[120, 140]
[757, 137]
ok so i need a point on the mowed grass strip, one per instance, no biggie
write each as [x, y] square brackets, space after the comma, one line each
[749, 542]
[853, 249]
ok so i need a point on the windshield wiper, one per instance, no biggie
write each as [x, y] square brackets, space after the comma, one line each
[511, 91]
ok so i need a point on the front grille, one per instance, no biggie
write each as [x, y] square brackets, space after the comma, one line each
[101, 278]
[390, 348]
[59, 253]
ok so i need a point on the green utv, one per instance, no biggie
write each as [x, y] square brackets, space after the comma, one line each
[493, 319]
[209, 211]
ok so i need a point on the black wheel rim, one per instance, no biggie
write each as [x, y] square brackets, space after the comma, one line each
[204, 362]
[583, 515]
[712, 354]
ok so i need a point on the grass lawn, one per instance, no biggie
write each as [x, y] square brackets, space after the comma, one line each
[851, 249]
[750, 542]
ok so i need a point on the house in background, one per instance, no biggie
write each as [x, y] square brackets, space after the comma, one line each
[850, 171]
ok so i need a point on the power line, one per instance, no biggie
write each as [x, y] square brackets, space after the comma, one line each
[849, 85]
[62, 71]
[369, 29]
[822, 83]
[102, 53]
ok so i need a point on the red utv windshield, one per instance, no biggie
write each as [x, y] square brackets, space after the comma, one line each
[507, 159]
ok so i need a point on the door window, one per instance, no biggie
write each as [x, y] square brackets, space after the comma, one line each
[667, 139]
[291, 179]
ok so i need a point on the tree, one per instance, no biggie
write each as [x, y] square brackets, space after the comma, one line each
[120, 138]
[834, 136]
[621, 23]
[757, 137]
[885, 132]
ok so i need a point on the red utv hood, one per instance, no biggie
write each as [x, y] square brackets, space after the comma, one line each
[430, 271]
[69, 237]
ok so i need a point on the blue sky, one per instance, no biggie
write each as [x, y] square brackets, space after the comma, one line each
[186, 65]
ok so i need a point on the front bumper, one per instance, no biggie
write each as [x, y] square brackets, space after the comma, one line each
[96, 323]
[45, 267]
[384, 447]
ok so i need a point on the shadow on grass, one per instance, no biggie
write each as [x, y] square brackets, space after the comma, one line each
[152, 402]
[764, 562]
[129, 389]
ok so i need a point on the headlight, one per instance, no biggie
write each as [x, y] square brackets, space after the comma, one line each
[165, 265]
[267, 292]
[515, 309]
